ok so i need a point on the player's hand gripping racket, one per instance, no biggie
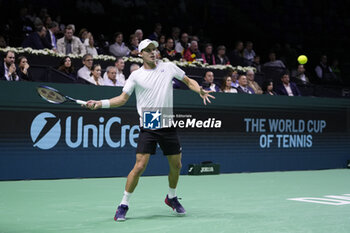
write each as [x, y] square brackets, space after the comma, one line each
[53, 96]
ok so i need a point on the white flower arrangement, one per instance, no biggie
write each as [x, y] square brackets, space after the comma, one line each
[133, 59]
[48, 52]
[181, 63]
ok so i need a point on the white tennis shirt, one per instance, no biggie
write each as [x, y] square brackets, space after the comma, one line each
[153, 87]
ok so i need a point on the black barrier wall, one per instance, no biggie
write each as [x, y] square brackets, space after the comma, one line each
[243, 133]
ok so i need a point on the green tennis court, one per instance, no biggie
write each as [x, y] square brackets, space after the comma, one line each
[246, 202]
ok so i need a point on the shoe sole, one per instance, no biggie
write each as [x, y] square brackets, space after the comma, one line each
[119, 219]
[179, 214]
[168, 204]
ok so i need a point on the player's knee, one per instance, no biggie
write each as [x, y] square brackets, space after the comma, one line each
[139, 168]
[179, 166]
[176, 166]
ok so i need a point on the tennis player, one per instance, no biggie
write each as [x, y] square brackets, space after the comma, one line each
[152, 84]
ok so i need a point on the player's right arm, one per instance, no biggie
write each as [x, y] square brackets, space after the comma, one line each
[116, 101]
[113, 103]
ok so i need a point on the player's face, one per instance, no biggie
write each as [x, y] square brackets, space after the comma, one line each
[149, 54]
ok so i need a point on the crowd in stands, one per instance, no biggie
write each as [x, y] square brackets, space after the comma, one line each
[42, 32]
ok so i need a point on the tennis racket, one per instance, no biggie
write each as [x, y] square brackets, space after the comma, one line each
[53, 96]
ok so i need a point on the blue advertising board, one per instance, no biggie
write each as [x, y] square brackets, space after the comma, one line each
[42, 141]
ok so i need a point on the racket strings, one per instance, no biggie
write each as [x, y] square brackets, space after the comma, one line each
[51, 95]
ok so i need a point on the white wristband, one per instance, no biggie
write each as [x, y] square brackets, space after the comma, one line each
[105, 104]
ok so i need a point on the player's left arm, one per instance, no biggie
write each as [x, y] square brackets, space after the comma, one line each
[193, 85]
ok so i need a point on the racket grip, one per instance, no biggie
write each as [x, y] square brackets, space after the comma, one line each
[81, 102]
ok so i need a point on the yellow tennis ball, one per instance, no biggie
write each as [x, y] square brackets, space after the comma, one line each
[302, 59]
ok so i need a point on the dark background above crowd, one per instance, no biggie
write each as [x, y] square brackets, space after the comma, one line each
[288, 27]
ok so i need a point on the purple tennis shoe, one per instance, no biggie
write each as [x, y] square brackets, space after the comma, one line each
[121, 212]
[175, 205]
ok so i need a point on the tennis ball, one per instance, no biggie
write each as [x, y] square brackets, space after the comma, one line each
[302, 59]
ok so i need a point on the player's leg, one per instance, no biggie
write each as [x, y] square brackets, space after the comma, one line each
[173, 177]
[131, 183]
[174, 170]
[146, 146]
[134, 175]
[170, 144]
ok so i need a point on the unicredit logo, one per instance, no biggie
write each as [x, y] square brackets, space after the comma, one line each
[47, 129]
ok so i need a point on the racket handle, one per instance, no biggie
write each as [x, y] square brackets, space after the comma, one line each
[81, 102]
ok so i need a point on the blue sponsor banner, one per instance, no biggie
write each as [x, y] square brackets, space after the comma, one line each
[63, 144]
[78, 143]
